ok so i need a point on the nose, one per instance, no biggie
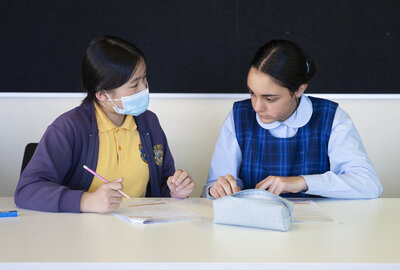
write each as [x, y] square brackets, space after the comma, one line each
[258, 105]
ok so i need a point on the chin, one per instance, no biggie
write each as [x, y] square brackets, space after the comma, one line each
[267, 120]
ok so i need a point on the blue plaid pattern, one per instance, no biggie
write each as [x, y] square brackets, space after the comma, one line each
[263, 154]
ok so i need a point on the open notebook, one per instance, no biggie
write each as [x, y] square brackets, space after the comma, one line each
[146, 211]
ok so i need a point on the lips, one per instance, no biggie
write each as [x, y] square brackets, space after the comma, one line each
[264, 117]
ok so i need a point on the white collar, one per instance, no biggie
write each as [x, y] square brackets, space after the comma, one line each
[299, 118]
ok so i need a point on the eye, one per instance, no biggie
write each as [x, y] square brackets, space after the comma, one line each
[270, 99]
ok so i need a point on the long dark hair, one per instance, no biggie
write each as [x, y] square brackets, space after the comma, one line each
[285, 62]
[108, 63]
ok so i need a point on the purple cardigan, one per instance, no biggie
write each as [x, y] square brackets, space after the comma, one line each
[54, 179]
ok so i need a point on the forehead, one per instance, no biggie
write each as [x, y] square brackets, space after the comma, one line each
[139, 71]
[263, 84]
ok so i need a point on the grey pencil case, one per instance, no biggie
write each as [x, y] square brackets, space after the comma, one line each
[254, 208]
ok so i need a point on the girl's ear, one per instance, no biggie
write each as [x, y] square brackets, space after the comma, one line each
[301, 90]
[101, 95]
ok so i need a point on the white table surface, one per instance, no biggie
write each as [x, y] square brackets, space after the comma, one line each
[364, 234]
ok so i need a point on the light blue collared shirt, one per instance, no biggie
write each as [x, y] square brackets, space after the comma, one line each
[352, 175]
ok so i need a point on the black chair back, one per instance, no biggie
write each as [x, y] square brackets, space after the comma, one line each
[28, 153]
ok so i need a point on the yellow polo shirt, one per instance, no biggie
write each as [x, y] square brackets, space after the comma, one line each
[120, 155]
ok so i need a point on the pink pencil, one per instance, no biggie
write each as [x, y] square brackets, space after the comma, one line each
[102, 179]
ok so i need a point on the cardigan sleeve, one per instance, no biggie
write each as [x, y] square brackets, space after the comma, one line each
[168, 169]
[152, 136]
[41, 186]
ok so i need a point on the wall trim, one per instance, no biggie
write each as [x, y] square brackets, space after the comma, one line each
[195, 96]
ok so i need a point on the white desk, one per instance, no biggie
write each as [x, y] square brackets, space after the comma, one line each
[364, 234]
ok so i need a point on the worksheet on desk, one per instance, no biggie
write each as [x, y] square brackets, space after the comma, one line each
[308, 211]
[147, 211]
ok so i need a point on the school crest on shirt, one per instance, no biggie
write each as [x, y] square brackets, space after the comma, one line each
[158, 154]
[142, 153]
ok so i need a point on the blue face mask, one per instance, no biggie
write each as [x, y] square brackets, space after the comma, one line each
[135, 104]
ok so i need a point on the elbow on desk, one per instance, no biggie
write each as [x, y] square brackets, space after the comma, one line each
[373, 189]
[27, 197]
[23, 193]
[359, 184]
[375, 192]
[19, 200]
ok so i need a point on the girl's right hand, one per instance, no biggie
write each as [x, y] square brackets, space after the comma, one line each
[105, 199]
[225, 185]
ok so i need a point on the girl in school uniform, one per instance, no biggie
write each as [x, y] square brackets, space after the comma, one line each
[111, 132]
[286, 142]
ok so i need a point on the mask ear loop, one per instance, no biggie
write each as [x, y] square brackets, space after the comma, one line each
[112, 100]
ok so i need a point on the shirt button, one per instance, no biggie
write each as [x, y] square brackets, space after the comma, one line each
[116, 131]
[119, 148]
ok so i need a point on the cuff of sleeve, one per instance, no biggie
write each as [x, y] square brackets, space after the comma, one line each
[70, 201]
[240, 184]
[206, 190]
[315, 183]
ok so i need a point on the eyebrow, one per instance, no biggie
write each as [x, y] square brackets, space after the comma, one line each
[267, 95]
[138, 78]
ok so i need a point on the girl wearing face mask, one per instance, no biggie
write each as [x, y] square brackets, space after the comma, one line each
[286, 142]
[112, 132]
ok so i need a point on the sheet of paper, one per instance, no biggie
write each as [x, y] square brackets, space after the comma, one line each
[308, 211]
[146, 211]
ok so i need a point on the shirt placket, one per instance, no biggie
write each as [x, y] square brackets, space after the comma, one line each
[118, 147]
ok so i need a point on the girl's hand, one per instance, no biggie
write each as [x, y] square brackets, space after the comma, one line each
[105, 199]
[225, 185]
[279, 184]
[181, 184]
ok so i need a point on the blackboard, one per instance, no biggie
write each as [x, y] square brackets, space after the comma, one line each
[202, 46]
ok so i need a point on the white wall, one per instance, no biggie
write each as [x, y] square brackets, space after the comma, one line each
[192, 124]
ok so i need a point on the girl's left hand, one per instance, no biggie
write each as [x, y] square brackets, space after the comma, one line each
[279, 184]
[180, 184]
